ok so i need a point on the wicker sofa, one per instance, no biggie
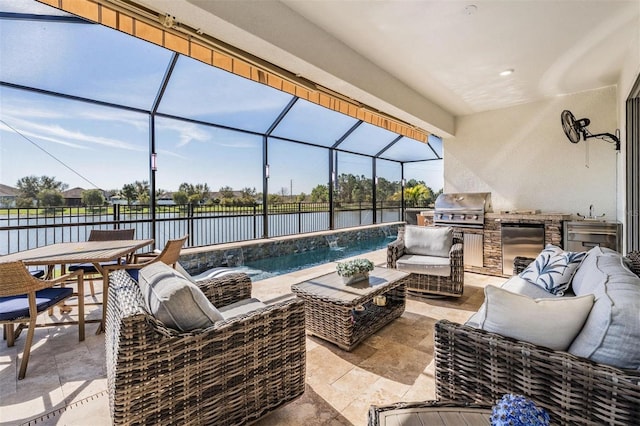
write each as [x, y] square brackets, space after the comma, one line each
[423, 278]
[233, 372]
[477, 366]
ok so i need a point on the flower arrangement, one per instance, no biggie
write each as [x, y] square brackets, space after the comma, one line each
[516, 410]
[353, 267]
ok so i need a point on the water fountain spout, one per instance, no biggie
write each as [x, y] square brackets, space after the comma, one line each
[332, 241]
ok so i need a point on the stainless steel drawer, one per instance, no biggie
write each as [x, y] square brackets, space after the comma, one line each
[583, 235]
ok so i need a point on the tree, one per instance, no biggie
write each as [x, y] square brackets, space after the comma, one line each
[30, 187]
[248, 196]
[196, 194]
[418, 195]
[320, 194]
[180, 197]
[226, 192]
[93, 197]
[283, 192]
[386, 189]
[50, 198]
[142, 191]
[129, 192]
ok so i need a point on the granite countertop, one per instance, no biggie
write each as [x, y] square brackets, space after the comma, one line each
[518, 215]
[528, 216]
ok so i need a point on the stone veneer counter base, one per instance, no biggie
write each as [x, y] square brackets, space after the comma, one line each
[492, 235]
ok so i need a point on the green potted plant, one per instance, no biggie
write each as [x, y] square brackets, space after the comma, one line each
[355, 270]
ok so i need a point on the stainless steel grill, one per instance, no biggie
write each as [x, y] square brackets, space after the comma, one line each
[464, 209]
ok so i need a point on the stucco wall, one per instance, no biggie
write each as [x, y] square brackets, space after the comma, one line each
[521, 155]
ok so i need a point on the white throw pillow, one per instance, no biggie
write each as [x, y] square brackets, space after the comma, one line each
[552, 323]
[174, 299]
[428, 240]
[553, 269]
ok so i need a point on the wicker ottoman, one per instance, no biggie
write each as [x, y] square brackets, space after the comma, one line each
[346, 314]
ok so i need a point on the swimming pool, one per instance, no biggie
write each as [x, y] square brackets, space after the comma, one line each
[266, 268]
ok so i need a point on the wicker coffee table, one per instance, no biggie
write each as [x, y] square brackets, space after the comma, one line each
[433, 413]
[346, 314]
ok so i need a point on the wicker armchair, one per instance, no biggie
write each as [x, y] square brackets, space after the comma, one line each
[452, 285]
[233, 372]
[478, 366]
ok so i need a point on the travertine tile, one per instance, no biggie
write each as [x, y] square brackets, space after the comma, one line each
[67, 378]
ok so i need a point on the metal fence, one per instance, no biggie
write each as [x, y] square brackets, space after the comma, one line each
[26, 228]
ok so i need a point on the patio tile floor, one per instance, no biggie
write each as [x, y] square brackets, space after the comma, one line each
[66, 380]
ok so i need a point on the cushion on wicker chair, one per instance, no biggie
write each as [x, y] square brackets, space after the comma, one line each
[241, 307]
[551, 322]
[12, 307]
[611, 334]
[515, 284]
[174, 299]
[428, 240]
[430, 265]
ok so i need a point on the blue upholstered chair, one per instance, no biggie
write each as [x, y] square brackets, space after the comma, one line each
[23, 297]
[38, 273]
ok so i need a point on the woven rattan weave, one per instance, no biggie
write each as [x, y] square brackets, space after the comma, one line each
[231, 373]
[478, 366]
[346, 314]
[452, 285]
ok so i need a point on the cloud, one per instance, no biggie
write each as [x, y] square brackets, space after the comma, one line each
[187, 132]
[46, 122]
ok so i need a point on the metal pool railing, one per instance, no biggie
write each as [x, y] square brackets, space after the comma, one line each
[26, 228]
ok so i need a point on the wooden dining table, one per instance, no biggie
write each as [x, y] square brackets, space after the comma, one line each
[94, 252]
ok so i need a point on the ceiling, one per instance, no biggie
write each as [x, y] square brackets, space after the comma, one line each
[430, 61]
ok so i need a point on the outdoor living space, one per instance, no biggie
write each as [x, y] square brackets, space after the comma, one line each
[251, 130]
[66, 380]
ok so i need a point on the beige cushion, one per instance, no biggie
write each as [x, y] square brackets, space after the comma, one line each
[427, 265]
[550, 322]
[428, 240]
[174, 299]
[611, 334]
[241, 307]
[515, 284]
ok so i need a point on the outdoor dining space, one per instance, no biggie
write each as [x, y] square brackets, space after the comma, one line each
[66, 381]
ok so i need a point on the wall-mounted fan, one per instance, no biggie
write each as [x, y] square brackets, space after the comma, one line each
[575, 129]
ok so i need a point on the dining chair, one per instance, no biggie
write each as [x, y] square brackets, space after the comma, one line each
[169, 255]
[90, 271]
[23, 297]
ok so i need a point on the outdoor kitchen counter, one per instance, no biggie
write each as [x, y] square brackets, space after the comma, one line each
[516, 216]
[491, 262]
[528, 216]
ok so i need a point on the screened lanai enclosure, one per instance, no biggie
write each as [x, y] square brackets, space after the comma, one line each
[176, 145]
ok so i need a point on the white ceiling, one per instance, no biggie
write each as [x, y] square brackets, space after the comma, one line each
[437, 59]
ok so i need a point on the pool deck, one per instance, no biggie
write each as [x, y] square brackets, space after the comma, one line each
[66, 380]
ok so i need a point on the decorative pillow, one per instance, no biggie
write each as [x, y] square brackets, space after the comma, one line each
[175, 300]
[611, 333]
[588, 278]
[553, 269]
[552, 322]
[428, 240]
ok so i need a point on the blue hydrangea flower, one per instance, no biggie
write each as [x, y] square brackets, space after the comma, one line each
[516, 410]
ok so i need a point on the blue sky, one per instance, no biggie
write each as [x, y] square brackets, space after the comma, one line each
[87, 145]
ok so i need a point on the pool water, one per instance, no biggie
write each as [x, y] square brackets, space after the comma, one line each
[274, 266]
